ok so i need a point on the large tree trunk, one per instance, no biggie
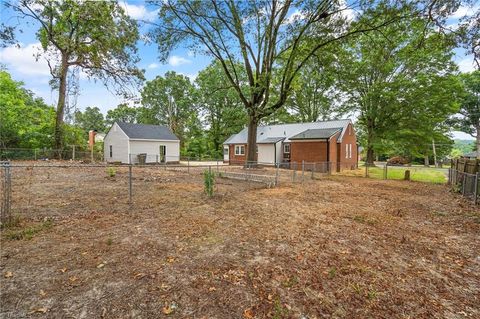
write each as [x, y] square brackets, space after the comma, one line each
[62, 91]
[370, 156]
[478, 140]
[252, 141]
[426, 161]
[370, 153]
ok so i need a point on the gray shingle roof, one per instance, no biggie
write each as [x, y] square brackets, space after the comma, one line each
[288, 130]
[320, 133]
[271, 140]
[147, 131]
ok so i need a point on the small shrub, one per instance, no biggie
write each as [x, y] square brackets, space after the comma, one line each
[29, 232]
[111, 172]
[109, 241]
[209, 182]
[398, 160]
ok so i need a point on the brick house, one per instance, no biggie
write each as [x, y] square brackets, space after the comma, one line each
[330, 145]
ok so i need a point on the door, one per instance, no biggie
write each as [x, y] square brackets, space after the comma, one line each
[163, 153]
[225, 154]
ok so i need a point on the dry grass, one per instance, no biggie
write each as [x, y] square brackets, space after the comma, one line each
[337, 247]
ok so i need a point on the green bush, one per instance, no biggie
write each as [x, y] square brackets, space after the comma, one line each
[111, 172]
[209, 182]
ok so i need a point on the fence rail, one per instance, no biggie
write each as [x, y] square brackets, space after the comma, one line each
[46, 188]
[465, 183]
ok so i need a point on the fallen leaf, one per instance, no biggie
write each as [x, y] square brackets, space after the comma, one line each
[248, 313]
[73, 278]
[212, 289]
[63, 270]
[42, 310]
[168, 310]
[42, 293]
[8, 274]
[139, 275]
[100, 265]
[270, 297]
[170, 259]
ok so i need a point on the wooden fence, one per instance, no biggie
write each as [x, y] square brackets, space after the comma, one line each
[466, 165]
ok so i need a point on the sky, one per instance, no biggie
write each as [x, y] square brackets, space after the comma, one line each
[23, 66]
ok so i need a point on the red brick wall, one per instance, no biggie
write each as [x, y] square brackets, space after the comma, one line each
[333, 150]
[348, 163]
[315, 151]
[237, 159]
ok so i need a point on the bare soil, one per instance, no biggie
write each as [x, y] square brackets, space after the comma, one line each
[335, 247]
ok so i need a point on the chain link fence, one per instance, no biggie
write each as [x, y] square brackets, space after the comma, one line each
[73, 153]
[42, 190]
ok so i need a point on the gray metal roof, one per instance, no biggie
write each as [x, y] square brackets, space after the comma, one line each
[319, 133]
[147, 131]
[288, 130]
[271, 140]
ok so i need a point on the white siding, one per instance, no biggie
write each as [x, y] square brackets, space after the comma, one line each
[152, 149]
[119, 141]
[266, 153]
[279, 150]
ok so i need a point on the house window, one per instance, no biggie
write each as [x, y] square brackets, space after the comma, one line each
[225, 151]
[111, 151]
[349, 130]
[286, 148]
[239, 149]
[346, 150]
[349, 150]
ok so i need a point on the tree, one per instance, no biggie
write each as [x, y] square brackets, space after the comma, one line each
[469, 122]
[396, 79]
[219, 105]
[94, 36]
[257, 36]
[90, 119]
[313, 93]
[168, 100]
[25, 120]
[122, 113]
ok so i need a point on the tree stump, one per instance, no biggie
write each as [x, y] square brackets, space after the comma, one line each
[407, 175]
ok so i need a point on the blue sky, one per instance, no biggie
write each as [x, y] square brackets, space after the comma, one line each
[21, 63]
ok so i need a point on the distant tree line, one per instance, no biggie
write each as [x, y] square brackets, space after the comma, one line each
[388, 66]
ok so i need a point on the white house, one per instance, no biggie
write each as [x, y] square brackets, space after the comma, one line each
[124, 143]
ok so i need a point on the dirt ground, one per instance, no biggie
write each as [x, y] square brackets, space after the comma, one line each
[336, 247]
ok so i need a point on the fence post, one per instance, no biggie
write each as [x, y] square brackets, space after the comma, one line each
[73, 152]
[276, 174]
[385, 173]
[476, 188]
[5, 213]
[35, 153]
[464, 184]
[130, 183]
[188, 165]
[217, 167]
[303, 169]
[294, 173]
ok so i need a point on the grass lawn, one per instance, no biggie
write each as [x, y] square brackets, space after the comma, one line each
[418, 174]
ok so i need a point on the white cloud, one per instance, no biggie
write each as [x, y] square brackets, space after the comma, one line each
[176, 60]
[463, 11]
[466, 65]
[139, 12]
[153, 66]
[22, 59]
[295, 16]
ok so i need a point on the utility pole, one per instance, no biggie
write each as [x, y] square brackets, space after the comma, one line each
[434, 153]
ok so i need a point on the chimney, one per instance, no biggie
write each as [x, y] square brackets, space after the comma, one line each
[91, 138]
